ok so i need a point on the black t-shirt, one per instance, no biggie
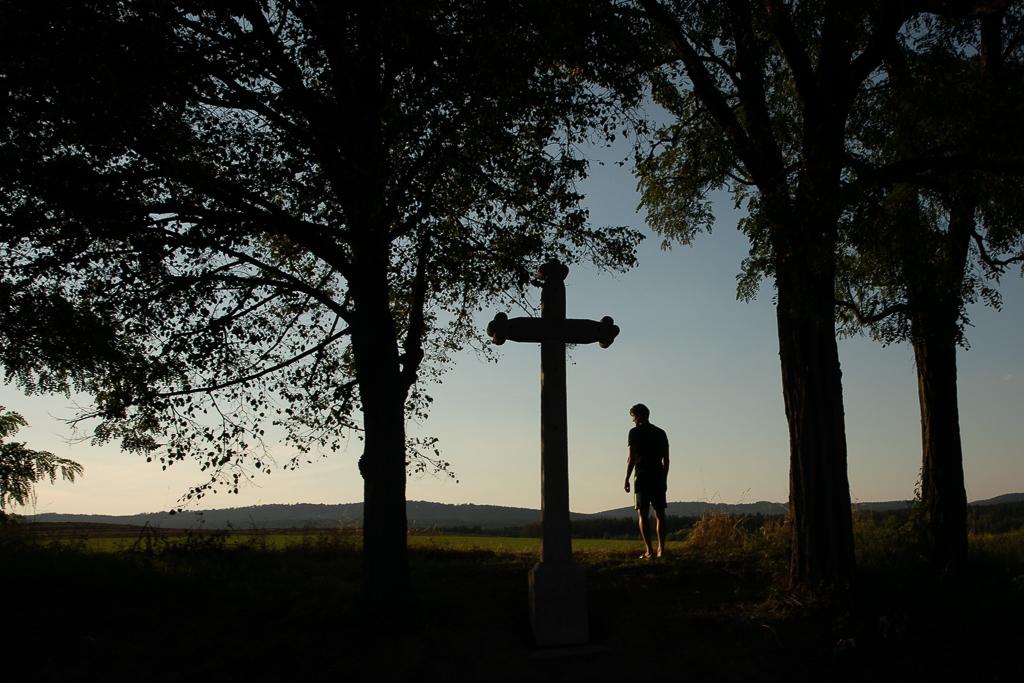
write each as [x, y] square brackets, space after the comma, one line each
[650, 445]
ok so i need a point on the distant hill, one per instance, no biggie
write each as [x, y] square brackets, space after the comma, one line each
[258, 516]
[698, 509]
[999, 500]
[884, 506]
[425, 515]
[421, 514]
[761, 507]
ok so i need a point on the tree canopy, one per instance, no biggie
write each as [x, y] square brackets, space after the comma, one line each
[270, 219]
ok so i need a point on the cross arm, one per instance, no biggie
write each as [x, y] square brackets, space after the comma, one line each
[539, 330]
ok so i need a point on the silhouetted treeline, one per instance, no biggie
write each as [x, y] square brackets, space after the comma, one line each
[619, 527]
[981, 519]
[995, 519]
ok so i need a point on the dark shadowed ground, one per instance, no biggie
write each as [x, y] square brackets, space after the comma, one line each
[202, 610]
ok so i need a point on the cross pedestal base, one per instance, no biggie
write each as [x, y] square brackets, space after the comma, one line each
[558, 604]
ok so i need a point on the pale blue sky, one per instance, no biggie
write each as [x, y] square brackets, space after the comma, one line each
[706, 365]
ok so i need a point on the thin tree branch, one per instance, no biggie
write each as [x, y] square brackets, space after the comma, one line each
[286, 281]
[870, 319]
[256, 375]
[996, 264]
[704, 86]
[915, 170]
[796, 56]
[752, 90]
[413, 345]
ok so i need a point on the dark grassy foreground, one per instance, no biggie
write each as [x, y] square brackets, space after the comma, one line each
[201, 609]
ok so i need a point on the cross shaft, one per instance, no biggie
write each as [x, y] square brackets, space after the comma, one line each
[557, 585]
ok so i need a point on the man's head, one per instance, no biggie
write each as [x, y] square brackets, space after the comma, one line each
[640, 413]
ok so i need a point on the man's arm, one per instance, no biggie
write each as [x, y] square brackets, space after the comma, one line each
[664, 449]
[630, 460]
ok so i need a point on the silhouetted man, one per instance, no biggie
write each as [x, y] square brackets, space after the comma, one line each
[648, 459]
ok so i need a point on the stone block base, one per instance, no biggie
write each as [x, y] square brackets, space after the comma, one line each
[558, 604]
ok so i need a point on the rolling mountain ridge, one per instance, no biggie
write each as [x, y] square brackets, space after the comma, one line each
[424, 514]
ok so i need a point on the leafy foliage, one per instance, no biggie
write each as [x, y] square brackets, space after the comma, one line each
[21, 468]
[936, 208]
[695, 155]
[223, 200]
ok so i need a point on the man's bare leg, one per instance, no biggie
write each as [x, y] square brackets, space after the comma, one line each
[645, 533]
[659, 515]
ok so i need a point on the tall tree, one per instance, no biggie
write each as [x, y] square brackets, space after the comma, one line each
[269, 214]
[941, 147]
[762, 93]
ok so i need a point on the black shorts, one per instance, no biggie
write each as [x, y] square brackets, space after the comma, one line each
[645, 498]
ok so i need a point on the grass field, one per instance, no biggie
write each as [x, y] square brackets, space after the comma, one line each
[137, 539]
[286, 606]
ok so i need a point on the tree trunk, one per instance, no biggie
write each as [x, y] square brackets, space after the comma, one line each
[822, 536]
[375, 343]
[935, 305]
[942, 471]
[382, 465]
[936, 262]
[804, 245]
[385, 561]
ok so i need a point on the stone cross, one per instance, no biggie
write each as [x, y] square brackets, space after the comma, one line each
[558, 593]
